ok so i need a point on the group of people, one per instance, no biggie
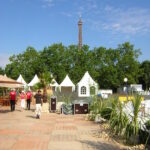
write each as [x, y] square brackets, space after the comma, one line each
[26, 97]
[23, 96]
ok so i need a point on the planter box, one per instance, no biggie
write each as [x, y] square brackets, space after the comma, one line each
[81, 108]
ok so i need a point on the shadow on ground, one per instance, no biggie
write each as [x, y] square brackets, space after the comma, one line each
[29, 116]
[5, 111]
[100, 145]
[18, 110]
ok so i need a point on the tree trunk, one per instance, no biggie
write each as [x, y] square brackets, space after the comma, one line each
[45, 95]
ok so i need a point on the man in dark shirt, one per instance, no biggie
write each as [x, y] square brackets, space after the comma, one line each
[38, 98]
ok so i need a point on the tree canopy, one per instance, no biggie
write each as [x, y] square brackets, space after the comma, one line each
[108, 67]
[145, 75]
[2, 71]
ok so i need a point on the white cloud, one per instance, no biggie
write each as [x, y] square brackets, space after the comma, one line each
[87, 7]
[100, 17]
[108, 8]
[67, 14]
[130, 21]
[4, 60]
[82, 7]
[47, 3]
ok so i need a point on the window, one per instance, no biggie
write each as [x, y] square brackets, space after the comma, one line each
[92, 90]
[83, 90]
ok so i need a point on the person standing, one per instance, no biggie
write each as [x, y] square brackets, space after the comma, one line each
[22, 97]
[29, 95]
[12, 99]
[38, 98]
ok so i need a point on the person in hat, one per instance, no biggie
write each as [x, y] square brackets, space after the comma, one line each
[12, 95]
[29, 96]
[22, 97]
[38, 98]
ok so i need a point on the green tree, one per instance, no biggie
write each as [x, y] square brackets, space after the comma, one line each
[2, 72]
[111, 66]
[128, 64]
[145, 75]
[109, 72]
[81, 62]
[45, 80]
[53, 58]
[108, 67]
[28, 64]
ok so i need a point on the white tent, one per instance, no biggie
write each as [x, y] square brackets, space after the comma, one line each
[87, 86]
[54, 84]
[34, 81]
[67, 85]
[21, 80]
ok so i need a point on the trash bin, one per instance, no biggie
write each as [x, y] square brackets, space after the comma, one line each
[53, 104]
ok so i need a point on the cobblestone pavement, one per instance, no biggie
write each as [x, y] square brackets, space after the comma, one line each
[22, 131]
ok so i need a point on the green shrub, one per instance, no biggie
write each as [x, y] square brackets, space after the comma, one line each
[106, 113]
[133, 127]
[96, 105]
[144, 137]
[147, 124]
[118, 119]
[91, 116]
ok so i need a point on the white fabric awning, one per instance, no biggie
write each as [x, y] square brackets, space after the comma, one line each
[20, 79]
[54, 83]
[87, 80]
[67, 82]
[34, 81]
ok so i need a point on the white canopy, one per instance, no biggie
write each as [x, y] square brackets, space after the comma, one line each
[34, 81]
[54, 83]
[86, 83]
[67, 83]
[87, 80]
[21, 80]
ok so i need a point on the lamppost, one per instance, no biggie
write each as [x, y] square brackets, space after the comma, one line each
[126, 84]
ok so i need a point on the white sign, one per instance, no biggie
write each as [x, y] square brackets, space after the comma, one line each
[81, 104]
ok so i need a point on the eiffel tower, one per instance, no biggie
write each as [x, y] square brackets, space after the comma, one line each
[80, 33]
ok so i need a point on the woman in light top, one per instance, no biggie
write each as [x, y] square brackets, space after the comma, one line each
[22, 97]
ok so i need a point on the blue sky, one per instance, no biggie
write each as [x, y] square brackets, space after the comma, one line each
[40, 23]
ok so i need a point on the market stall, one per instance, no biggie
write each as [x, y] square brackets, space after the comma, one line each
[5, 84]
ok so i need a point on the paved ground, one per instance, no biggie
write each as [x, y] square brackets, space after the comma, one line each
[22, 131]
